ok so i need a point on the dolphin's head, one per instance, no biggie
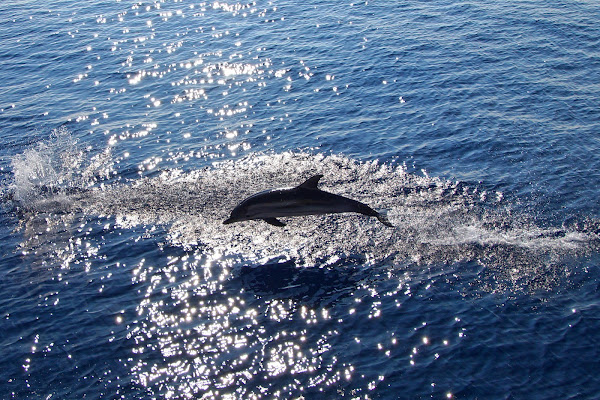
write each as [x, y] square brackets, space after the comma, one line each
[239, 213]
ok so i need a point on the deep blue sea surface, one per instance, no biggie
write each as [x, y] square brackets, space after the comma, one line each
[130, 129]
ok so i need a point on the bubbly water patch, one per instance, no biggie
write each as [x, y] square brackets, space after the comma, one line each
[435, 221]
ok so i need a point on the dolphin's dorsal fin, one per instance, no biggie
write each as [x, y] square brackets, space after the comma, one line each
[311, 183]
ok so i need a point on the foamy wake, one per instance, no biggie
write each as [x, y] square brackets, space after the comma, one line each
[436, 221]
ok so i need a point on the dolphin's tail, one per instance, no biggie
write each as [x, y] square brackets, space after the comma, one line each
[366, 210]
[382, 217]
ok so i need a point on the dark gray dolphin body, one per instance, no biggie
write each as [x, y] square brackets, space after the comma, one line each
[305, 199]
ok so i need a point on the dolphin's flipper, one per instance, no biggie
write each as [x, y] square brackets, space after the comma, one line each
[311, 183]
[274, 222]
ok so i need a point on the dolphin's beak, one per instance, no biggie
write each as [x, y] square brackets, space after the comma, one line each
[228, 221]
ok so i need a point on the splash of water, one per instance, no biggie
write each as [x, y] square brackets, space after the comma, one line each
[45, 175]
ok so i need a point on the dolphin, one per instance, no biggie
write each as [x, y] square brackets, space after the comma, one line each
[305, 199]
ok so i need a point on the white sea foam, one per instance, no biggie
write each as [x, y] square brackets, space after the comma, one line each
[436, 221]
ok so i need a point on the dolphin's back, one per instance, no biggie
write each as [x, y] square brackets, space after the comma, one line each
[299, 201]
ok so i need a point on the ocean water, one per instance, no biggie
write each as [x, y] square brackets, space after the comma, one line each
[129, 130]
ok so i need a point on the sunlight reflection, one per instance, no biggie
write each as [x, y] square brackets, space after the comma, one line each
[208, 339]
